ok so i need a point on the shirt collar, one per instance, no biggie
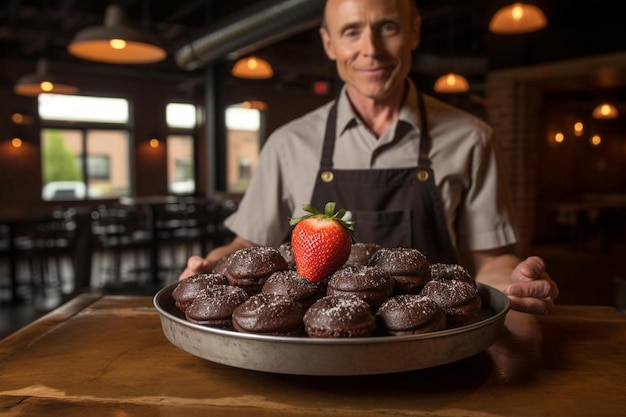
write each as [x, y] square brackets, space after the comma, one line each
[409, 113]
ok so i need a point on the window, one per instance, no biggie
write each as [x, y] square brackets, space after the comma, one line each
[181, 119]
[85, 147]
[243, 125]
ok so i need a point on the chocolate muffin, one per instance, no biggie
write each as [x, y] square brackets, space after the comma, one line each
[290, 283]
[189, 288]
[409, 314]
[215, 305]
[361, 253]
[248, 268]
[368, 283]
[459, 300]
[443, 272]
[407, 267]
[335, 316]
[269, 314]
[286, 250]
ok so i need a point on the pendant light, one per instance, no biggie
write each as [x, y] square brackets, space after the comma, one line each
[451, 83]
[605, 111]
[252, 68]
[116, 42]
[42, 81]
[518, 18]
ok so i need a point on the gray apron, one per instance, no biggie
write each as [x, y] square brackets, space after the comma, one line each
[392, 207]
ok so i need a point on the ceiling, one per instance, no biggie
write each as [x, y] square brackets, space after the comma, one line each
[454, 33]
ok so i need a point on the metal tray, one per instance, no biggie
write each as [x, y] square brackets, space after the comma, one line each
[341, 356]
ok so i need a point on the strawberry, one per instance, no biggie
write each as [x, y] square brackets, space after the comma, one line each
[321, 242]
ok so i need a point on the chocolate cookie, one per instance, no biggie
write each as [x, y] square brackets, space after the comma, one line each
[215, 305]
[459, 300]
[269, 314]
[187, 289]
[408, 268]
[248, 268]
[286, 250]
[361, 253]
[408, 314]
[339, 316]
[440, 271]
[368, 283]
[290, 283]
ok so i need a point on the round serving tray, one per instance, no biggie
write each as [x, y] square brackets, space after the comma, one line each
[341, 356]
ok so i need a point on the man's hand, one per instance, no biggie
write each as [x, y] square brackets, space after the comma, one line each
[530, 287]
[196, 265]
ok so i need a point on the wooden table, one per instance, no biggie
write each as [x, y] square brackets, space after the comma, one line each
[108, 357]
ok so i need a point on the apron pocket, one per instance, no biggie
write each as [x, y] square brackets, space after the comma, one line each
[387, 228]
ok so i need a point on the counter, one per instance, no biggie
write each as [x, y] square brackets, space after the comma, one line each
[107, 356]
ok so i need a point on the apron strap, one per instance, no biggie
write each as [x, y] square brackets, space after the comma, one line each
[423, 159]
[328, 149]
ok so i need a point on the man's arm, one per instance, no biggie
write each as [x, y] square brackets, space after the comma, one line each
[527, 284]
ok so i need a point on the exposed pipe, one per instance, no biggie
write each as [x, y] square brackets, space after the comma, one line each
[249, 30]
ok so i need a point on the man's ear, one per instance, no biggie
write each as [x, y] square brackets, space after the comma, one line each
[328, 48]
[416, 27]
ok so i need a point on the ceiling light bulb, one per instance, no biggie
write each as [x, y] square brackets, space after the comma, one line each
[46, 86]
[117, 43]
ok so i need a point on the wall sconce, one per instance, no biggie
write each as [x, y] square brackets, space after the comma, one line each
[605, 111]
[116, 42]
[578, 128]
[595, 140]
[16, 142]
[154, 143]
[517, 18]
[42, 81]
[252, 68]
[559, 137]
[451, 83]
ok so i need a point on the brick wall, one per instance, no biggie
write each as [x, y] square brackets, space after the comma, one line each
[511, 110]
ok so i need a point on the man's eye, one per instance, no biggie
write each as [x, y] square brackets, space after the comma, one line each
[351, 33]
[389, 29]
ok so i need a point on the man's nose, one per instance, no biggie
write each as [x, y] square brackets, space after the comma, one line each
[371, 42]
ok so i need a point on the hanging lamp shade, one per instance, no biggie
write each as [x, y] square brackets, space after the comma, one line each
[518, 18]
[605, 111]
[42, 81]
[252, 68]
[451, 83]
[116, 42]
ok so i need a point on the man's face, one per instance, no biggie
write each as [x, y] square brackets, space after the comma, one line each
[371, 42]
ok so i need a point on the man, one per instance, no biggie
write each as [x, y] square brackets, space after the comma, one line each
[412, 170]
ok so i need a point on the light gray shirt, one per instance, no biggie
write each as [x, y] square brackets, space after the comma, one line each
[463, 158]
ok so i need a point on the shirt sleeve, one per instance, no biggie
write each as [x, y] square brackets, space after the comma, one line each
[485, 218]
[263, 213]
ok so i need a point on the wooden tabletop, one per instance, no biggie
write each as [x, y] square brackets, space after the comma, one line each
[108, 357]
